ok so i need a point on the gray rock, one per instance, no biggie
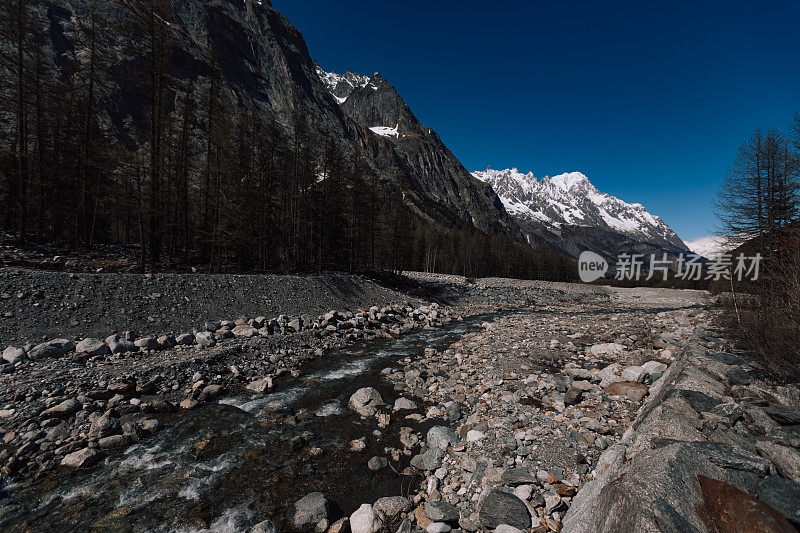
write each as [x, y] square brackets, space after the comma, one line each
[572, 396]
[113, 441]
[783, 495]
[430, 460]
[103, 426]
[438, 527]
[730, 411]
[306, 513]
[782, 414]
[119, 344]
[93, 347]
[245, 331]
[504, 508]
[441, 437]
[787, 460]
[260, 386]
[518, 476]
[49, 349]
[377, 463]
[404, 404]
[366, 401]
[13, 354]
[505, 528]
[391, 506]
[65, 409]
[147, 343]
[264, 527]
[81, 459]
[185, 339]
[441, 512]
[205, 339]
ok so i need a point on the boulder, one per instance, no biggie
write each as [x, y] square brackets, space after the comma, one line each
[53, 348]
[609, 374]
[305, 514]
[65, 409]
[377, 463]
[260, 386]
[205, 339]
[631, 390]
[185, 339]
[92, 347]
[572, 396]
[441, 512]
[610, 348]
[782, 414]
[441, 437]
[119, 344]
[264, 527]
[147, 343]
[104, 426]
[12, 354]
[245, 331]
[430, 460]
[504, 508]
[727, 508]
[505, 528]
[364, 520]
[787, 460]
[474, 435]
[782, 495]
[632, 373]
[390, 507]
[81, 459]
[404, 404]
[366, 401]
[165, 342]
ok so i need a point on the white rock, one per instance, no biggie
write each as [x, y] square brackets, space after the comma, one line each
[473, 435]
[611, 348]
[631, 373]
[505, 528]
[364, 520]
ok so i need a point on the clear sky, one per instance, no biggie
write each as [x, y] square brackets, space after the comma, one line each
[650, 99]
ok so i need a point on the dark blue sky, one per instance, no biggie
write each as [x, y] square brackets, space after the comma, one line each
[649, 99]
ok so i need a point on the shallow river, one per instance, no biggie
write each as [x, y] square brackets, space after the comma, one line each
[226, 466]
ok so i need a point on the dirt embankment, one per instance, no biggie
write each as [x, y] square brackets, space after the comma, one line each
[35, 305]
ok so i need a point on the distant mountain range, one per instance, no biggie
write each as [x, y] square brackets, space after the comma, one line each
[568, 212]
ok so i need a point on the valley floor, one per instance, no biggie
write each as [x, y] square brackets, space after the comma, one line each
[488, 408]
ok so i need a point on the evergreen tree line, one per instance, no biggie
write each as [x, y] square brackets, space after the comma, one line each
[109, 145]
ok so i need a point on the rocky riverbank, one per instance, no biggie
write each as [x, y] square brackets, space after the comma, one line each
[514, 425]
[518, 415]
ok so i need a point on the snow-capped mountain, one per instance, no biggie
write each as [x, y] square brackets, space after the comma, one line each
[413, 158]
[707, 246]
[342, 85]
[570, 201]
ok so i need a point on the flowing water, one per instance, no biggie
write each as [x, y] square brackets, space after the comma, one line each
[225, 466]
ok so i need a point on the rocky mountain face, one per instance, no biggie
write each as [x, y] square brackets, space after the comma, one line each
[265, 66]
[401, 146]
[569, 212]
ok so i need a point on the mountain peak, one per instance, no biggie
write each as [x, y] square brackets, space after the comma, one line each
[570, 200]
[569, 181]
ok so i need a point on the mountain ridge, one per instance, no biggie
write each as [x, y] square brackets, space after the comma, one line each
[568, 202]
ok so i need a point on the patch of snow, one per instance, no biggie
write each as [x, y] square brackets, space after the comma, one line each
[707, 246]
[385, 131]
